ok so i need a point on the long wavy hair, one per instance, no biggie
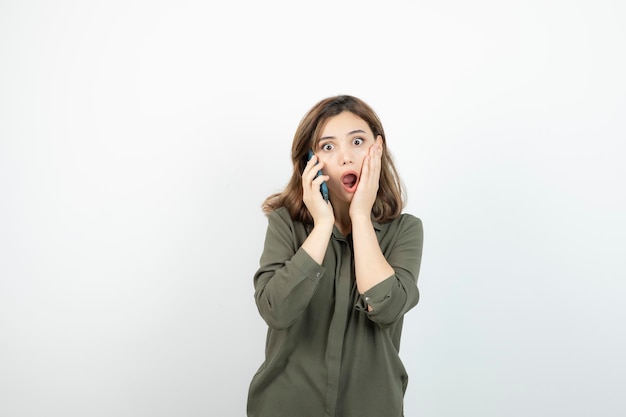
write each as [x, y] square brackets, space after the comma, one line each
[390, 199]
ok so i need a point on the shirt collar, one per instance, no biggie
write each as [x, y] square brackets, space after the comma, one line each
[378, 227]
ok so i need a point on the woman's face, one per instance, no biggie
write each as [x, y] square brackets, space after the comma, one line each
[344, 143]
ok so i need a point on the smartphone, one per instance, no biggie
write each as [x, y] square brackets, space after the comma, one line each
[323, 187]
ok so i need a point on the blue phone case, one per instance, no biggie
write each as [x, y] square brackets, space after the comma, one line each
[323, 187]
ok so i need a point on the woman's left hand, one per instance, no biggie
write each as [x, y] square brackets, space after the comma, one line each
[366, 191]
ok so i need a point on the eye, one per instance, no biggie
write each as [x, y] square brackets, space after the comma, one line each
[358, 141]
[327, 147]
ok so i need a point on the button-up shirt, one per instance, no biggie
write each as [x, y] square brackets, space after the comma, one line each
[326, 355]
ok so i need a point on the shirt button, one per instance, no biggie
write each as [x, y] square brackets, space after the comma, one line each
[367, 298]
[318, 275]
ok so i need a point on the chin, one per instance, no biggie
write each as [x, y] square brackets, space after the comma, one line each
[347, 197]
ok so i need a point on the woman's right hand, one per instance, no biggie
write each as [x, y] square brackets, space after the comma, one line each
[320, 209]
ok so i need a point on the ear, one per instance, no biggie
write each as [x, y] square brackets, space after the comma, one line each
[379, 140]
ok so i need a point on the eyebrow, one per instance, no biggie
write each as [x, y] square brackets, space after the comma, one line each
[349, 134]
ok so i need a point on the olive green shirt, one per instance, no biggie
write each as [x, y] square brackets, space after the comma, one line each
[326, 355]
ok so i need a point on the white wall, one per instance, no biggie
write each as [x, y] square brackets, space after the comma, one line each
[138, 139]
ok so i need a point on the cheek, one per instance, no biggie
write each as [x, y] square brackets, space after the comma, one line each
[334, 174]
[360, 160]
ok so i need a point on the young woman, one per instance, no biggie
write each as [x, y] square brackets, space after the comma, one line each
[336, 277]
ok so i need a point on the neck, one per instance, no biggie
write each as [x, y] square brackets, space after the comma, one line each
[342, 220]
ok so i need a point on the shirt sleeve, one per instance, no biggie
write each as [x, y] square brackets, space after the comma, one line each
[287, 277]
[396, 295]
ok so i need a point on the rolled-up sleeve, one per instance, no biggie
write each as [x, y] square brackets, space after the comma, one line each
[396, 295]
[287, 277]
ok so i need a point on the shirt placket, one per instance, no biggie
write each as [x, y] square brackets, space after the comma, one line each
[337, 328]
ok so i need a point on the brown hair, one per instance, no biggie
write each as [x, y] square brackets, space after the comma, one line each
[391, 197]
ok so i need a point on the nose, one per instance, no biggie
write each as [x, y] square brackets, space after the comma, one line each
[346, 157]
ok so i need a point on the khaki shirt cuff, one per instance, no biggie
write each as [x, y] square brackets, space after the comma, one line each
[311, 269]
[376, 295]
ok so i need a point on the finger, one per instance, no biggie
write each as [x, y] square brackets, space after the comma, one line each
[376, 159]
[314, 164]
[310, 163]
[311, 169]
[365, 168]
[377, 149]
[319, 180]
[314, 160]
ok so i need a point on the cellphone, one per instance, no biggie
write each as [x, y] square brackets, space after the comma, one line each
[323, 187]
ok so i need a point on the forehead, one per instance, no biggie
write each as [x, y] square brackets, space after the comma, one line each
[344, 123]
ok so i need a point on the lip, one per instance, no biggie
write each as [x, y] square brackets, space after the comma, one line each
[356, 183]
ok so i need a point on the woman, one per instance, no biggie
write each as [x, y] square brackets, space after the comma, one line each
[336, 277]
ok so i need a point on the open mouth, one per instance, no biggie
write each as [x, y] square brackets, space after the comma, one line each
[349, 181]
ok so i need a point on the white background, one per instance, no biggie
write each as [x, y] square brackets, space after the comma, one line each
[139, 138]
